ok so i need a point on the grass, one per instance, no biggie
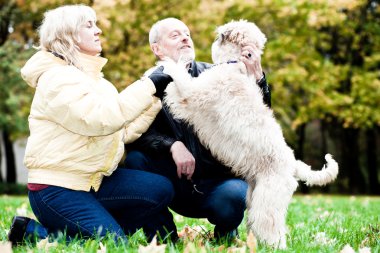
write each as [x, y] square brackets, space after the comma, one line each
[316, 223]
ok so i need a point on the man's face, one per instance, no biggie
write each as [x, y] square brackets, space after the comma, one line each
[174, 42]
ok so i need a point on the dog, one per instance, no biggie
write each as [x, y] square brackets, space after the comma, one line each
[225, 106]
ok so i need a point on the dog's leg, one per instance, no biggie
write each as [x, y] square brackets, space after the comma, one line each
[181, 78]
[248, 200]
[269, 202]
[249, 195]
[179, 92]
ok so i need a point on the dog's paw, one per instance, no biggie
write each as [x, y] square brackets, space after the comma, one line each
[169, 67]
[176, 71]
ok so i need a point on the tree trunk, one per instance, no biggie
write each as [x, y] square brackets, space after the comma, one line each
[9, 158]
[1, 158]
[374, 187]
[350, 160]
[299, 152]
[326, 188]
[6, 18]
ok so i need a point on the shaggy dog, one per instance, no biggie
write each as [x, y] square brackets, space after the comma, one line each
[225, 107]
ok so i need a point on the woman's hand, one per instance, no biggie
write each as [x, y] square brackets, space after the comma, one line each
[160, 81]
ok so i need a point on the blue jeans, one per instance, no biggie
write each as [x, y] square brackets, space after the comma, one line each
[126, 201]
[221, 201]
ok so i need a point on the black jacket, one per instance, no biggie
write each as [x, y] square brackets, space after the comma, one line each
[165, 130]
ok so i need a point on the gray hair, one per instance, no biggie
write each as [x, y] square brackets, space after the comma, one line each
[59, 30]
[155, 31]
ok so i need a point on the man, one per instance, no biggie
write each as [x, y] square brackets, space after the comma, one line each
[204, 188]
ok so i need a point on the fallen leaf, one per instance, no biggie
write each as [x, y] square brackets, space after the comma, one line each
[6, 231]
[102, 248]
[190, 233]
[45, 244]
[6, 247]
[152, 247]
[192, 248]
[179, 218]
[220, 248]
[365, 250]
[347, 249]
[236, 249]
[251, 242]
[239, 243]
[22, 210]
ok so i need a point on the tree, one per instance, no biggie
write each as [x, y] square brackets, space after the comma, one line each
[18, 22]
[322, 57]
[15, 100]
[12, 104]
[352, 46]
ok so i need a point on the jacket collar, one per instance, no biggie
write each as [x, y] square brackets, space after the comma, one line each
[92, 65]
[193, 70]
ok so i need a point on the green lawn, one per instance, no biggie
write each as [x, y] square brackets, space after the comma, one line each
[316, 223]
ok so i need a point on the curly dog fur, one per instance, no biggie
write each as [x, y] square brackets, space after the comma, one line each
[226, 109]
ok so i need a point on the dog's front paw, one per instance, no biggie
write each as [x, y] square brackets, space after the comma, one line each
[169, 68]
[282, 244]
[174, 70]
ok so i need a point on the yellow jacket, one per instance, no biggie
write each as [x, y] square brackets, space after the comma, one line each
[79, 122]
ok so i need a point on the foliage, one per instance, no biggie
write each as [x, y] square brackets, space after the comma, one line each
[314, 48]
[310, 56]
[316, 224]
[13, 189]
[125, 41]
[322, 59]
[15, 97]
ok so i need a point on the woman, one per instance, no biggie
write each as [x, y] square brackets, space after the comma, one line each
[78, 126]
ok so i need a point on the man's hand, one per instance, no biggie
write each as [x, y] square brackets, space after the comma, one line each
[251, 58]
[183, 159]
[160, 80]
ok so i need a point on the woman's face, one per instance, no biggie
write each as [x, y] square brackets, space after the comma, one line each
[89, 42]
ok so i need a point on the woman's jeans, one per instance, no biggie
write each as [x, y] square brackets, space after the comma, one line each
[126, 201]
[221, 201]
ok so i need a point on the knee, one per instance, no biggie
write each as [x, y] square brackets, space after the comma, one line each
[234, 193]
[168, 189]
[230, 204]
[163, 191]
[136, 160]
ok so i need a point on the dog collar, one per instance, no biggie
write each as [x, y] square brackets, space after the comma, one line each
[229, 62]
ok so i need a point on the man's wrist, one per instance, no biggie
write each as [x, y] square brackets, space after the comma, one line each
[174, 144]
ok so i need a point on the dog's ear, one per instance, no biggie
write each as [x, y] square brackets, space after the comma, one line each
[233, 36]
[224, 36]
[237, 37]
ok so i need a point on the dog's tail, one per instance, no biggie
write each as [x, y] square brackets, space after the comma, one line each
[328, 173]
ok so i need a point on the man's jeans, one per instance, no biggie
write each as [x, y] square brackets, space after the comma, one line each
[126, 201]
[221, 201]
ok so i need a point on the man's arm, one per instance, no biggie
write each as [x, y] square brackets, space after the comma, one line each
[156, 140]
[159, 143]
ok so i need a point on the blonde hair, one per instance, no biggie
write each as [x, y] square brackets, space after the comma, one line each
[59, 31]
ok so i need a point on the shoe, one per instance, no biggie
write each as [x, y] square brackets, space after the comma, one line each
[17, 231]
